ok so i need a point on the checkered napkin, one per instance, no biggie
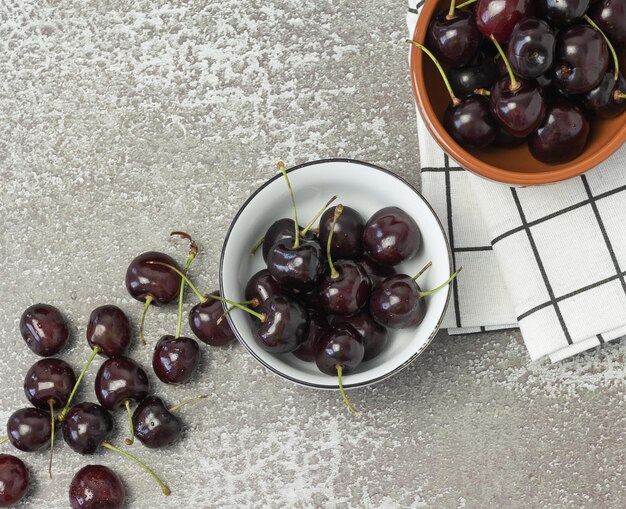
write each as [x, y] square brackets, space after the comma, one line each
[549, 259]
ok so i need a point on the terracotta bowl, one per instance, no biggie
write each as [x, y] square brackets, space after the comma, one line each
[512, 166]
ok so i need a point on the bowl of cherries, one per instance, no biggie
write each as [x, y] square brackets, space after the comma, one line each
[522, 91]
[352, 294]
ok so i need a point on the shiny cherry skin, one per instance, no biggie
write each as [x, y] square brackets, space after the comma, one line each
[374, 271]
[563, 134]
[155, 426]
[506, 140]
[86, 426]
[470, 123]
[261, 286]
[391, 236]
[296, 268]
[609, 15]
[14, 480]
[560, 13]
[96, 487]
[285, 326]
[498, 17]
[603, 100]
[465, 80]
[120, 379]
[396, 302]
[581, 59]
[373, 335]
[44, 329]
[519, 111]
[347, 241]
[29, 429]
[531, 48]
[281, 229]
[454, 41]
[315, 335]
[145, 280]
[343, 347]
[175, 359]
[347, 293]
[203, 319]
[109, 329]
[49, 380]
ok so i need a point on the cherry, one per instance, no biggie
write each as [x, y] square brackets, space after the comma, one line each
[204, 320]
[581, 59]
[560, 13]
[49, 383]
[345, 287]
[374, 271]
[316, 334]
[109, 329]
[373, 335]
[465, 80]
[86, 426]
[498, 17]
[44, 329]
[531, 48]
[610, 16]
[398, 302]
[453, 36]
[347, 234]
[391, 236]
[29, 429]
[311, 301]
[175, 359]
[608, 99]
[341, 353]
[260, 287]
[14, 480]
[96, 487]
[563, 134]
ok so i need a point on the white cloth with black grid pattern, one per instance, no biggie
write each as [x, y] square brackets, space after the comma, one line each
[549, 259]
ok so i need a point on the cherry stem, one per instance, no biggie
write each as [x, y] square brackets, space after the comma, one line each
[482, 91]
[52, 421]
[465, 4]
[455, 100]
[619, 95]
[317, 216]
[131, 440]
[186, 402]
[434, 290]
[143, 318]
[451, 11]
[3, 440]
[346, 400]
[253, 302]
[333, 272]
[256, 246]
[164, 488]
[608, 43]
[281, 166]
[181, 295]
[204, 298]
[514, 83]
[426, 267]
[95, 352]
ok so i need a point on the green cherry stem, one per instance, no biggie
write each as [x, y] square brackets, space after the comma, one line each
[3, 440]
[333, 272]
[450, 14]
[317, 216]
[281, 167]
[426, 267]
[149, 300]
[256, 246]
[441, 286]
[186, 402]
[193, 252]
[608, 43]
[514, 83]
[346, 400]
[63, 413]
[164, 488]
[253, 302]
[52, 423]
[455, 100]
[204, 298]
[465, 4]
[482, 91]
[131, 440]
[619, 95]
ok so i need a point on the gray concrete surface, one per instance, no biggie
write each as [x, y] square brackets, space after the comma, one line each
[121, 121]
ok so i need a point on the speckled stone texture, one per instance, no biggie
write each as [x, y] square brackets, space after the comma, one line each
[121, 121]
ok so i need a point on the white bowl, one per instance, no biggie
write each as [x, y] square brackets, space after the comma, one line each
[366, 188]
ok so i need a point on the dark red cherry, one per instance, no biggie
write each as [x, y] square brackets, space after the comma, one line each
[96, 487]
[29, 429]
[49, 381]
[175, 359]
[260, 287]
[608, 99]
[345, 290]
[311, 301]
[44, 329]
[609, 15]
[391, 236]
[316, 334]
[203, 319]
[14, 480]
[109, 329]
[560, 13]
[343, 347]
[581, 59]
[531, 48]
[281, 229]
[120, 379]
[455, 40]
[373, 335]
[347, 241]
[519, 110]
[465, 80]
[155, 426]
[374, 271]
[470, 123]
[498, 17]
[284, 326]
[296, 267]
[86, 426]
[563, 134]
[151, 281]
